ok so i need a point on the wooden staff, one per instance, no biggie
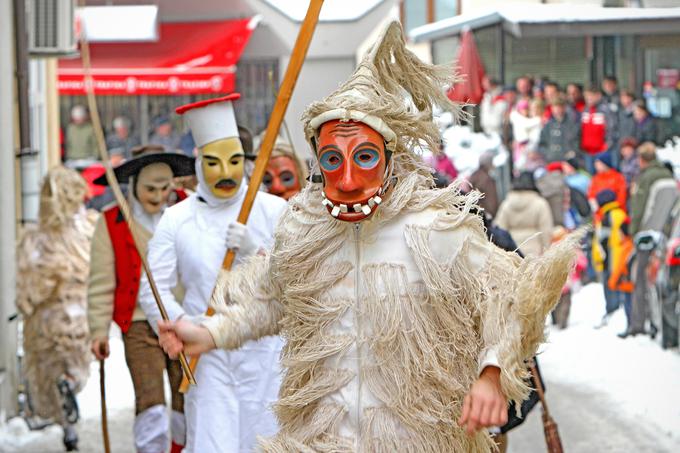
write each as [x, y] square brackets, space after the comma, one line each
[118, 194]
[105, 419]
[302, 42]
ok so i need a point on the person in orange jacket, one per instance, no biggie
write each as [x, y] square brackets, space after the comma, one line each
[612, 246]
[607, 177]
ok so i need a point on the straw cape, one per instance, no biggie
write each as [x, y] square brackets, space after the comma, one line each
[388, 321]
[53, 265]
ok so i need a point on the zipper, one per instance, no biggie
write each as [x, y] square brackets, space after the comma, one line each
[359, 330]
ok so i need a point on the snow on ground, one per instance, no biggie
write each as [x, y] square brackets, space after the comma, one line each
[644, 378]
[634, 377]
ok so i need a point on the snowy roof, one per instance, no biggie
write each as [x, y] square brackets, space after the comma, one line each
[332, 10]
[531, 19]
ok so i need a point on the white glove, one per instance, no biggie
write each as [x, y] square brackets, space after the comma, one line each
[239, 240]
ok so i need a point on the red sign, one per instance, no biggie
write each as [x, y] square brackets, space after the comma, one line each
[189, 58]
[667, 78]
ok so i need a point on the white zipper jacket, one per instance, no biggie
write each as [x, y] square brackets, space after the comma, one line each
[388, 321]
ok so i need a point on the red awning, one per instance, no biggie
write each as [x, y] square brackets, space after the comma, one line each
[188, 58]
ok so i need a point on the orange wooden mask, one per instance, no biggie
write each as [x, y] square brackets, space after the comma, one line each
[282, 177]
[353, 162]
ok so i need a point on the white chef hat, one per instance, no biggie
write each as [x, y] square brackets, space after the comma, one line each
[211, 120]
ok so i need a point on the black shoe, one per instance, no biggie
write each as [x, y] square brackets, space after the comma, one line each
[625, 334]
[70, 438]
[653, 330]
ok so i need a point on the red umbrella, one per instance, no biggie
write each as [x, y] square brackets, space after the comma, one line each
[471, 70]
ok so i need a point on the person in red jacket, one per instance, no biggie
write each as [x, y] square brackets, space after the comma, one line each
[606, 177]
[113, 284]
[597, 128]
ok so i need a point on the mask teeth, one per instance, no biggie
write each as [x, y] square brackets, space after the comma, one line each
[336, 211]
[371, 202]
[323, 194]
[377, 199]
[357, 207]
[343, 208]
[326, 202]
[366, 209]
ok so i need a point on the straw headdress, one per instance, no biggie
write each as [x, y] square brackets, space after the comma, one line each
[393, 92]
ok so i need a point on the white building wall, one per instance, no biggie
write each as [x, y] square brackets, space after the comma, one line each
[8, 217]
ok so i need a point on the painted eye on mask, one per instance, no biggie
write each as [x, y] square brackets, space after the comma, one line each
[287, 178]
[366, 158]
[267, 179]
[331, 160]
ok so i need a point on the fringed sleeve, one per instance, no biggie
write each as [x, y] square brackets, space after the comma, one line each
[503, 299]
[518, 295]
[246, 305]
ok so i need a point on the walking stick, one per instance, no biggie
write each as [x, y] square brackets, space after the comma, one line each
[289, 79]
[105, 420]
[118, 194]
[552, 436]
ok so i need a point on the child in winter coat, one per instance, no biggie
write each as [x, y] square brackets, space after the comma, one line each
[612, 246]
[606, 177]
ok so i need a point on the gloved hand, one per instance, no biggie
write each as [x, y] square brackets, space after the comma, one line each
[239, 240]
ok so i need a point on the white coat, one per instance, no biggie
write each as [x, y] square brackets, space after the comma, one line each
[388, 321]
[230, 406]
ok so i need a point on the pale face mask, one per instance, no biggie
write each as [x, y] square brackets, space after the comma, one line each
[153, 186]
[222, 164]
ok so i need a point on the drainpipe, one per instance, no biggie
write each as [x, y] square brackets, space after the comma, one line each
[28, 157]
[8, 222]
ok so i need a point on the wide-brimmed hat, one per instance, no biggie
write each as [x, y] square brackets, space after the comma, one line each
[180, 164]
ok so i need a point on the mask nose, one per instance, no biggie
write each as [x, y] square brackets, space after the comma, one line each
[276, 186]
[347, 182]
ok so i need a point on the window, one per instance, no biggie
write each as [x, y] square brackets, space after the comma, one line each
[443, 9]
[415, 13]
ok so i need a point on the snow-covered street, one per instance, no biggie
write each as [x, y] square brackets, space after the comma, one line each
[606, 394]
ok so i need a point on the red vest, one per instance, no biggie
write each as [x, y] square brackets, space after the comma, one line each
[128, 265]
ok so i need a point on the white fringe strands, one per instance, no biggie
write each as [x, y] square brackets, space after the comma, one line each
[52, 267]
[423, 338]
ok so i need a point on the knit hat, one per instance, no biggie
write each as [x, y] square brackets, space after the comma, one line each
[393, 92]
[605, 196]
[605, 158]
[554, 166]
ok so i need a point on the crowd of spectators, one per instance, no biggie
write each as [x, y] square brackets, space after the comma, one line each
[80, 143]
[579, 157]
[542, 122]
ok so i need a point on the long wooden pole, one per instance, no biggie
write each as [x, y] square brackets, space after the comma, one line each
[118, 194]
[297, 58]
[105, 419]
